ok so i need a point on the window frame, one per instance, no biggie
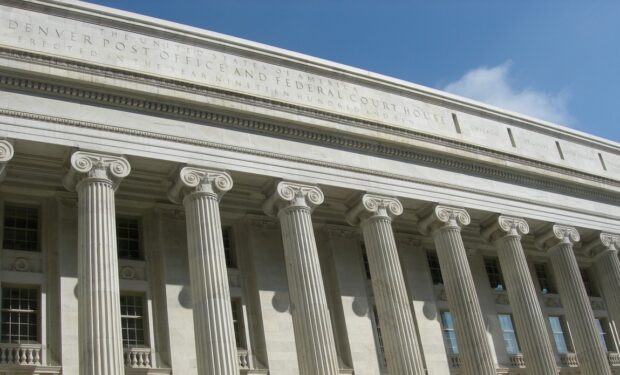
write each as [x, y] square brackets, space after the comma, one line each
[140, 240]
[38, 231]
[543, 268]
[605, 334]
[564, 334]
[448, 333]
[496, 276]
[144, 318]
[512, 342]
[588, 283]
[435, 271]
[38, 313]
[228, 241]
[236, 306]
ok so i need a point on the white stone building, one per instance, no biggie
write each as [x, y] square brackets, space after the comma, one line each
[176, 201]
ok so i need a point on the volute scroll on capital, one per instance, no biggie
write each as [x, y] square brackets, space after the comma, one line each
[199, 180]
[6, 154]
[371, 205]
[603, 243]
[444, 216]
[610, 240]
[96, 165]
[505, 225]
[293, 194]
[557, 234]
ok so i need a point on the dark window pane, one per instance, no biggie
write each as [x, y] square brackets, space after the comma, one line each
[229, 255]
[128, 238]
[132, 321]
[495, 273]
[21, 227]
[433, 265]
[20, 315]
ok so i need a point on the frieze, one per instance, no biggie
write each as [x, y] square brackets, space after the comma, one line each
[337, 231]
[255, 125]
[552, 300]
[597, 303]
[501, 297]
[175, 110]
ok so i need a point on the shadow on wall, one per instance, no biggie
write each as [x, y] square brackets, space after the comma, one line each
[360, 306]
[280, 301]
[185, 297]
[429, 310]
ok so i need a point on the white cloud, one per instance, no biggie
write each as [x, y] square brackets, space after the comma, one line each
[492, 85]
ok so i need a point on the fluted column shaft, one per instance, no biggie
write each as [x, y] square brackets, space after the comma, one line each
[316, 349]
[474, 350]
[99, 319]
[588, 347]
[402, 349]
[6, 154]
[216, 349]
[608, 268]
[528, 316]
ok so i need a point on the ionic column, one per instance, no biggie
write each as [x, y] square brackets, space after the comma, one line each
[374, 214]
[559, 244]
[6, 154]
[608, 270]
[293, 204]
[200, 190]
[474, 351]
[95, 177]
[505, 233]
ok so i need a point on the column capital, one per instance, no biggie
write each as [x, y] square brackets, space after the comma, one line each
[610, 240]
[444, 216]
[371, 205]
[6, 154]
[505, 226]
[97, 166]
[603, 243]
[292, 194]
[556, 235]
[193, 180]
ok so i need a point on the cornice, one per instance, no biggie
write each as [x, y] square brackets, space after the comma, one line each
[87, 12]
[334, 140]
[186, 111]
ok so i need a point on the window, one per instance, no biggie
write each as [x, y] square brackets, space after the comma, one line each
[379, 336]
[237, 315]
[602, 327]
[558, 327]
[587, 283]
[132, 320]
[509, 334]
[543, 278]
[495, 273]
[228, 248]
[128, 237]
[20, 315]
[448, 332]
[433, 265]
[21, 228]
[366, 264]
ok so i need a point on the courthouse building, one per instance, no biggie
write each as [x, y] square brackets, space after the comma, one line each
[177, 201]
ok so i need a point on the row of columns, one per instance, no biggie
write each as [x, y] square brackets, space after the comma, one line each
[95, 178]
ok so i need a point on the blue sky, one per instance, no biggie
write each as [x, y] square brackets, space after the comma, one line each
[556, 60]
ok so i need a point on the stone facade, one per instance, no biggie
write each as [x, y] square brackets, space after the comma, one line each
[178, 201]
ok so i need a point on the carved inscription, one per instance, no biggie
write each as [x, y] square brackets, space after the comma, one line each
[138, 52]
